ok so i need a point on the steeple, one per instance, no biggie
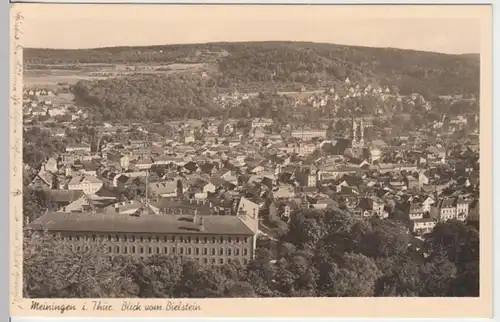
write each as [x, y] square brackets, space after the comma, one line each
[362, 133]
[354, 133]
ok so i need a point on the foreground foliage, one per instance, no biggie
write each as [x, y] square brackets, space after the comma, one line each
[330, 255]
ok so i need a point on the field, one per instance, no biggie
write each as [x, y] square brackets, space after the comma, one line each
[53, 76]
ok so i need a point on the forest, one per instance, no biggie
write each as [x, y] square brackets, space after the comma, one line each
[329, 254]
[259, 66]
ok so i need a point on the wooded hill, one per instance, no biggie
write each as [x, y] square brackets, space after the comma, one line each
[259, 66]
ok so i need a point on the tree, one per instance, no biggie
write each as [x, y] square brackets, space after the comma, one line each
[52, 270]
[354, 276]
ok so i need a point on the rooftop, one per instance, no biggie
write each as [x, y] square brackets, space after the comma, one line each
[153, 224]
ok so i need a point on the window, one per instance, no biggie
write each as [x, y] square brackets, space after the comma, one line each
[189, 250]
[212, 260]
[118, 249]
[205, 240]
[173, 239]
[245, 262]
[245, 240]
[213, 251]
[165, 250]
[221, 261]
[70, 238]
[165, 239]
[109, 237]
[110, 249]
[142, 239]
[87, 238]
[77, 248]
[133, 249]
[221, 240]
[189, 239]
[94, 238]
[221, 251]
[173, 250]
[124, 238]
[237, 240]
[150, 250]
[77, 237]
[229, 240]
[132, 238]
[117, 238]
[245, 252]
[197, 240]
[205, 251]
[141, 250]
[213, 240]
[197, 251]
[229, 252]
[205, 260]
[157, 250]
[125, 249]
[149, 239]
[181, 239]
[181, 250]
[237, 252]
[157, 239]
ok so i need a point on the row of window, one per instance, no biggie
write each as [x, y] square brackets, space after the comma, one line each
[215, 260]
[173, 239]
[174, 250]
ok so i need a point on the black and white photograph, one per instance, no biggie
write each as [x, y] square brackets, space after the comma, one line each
[269, 153]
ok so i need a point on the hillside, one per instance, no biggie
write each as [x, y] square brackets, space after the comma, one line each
[256, 67]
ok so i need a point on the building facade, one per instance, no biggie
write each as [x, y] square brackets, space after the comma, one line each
[211, 240]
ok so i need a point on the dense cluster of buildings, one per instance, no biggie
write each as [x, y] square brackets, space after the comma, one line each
[210, 189]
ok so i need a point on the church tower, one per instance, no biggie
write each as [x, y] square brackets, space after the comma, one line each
[354, 141]
[361, 133]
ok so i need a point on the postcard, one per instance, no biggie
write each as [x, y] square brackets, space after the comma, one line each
[251, 160]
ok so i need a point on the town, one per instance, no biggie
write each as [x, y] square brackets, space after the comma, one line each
[216, 189]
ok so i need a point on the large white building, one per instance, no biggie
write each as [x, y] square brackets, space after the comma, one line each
[309, 134]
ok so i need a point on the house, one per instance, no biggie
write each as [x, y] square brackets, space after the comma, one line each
[423, 226]
[141, 164]
[426, 204]
[411, 182]
[284, 191]
[423, 179]
[444, 210]
[208, 187]
[78, 147]
[373, 206]
[63, 198]
[89, 184]
[120, 158]
[167, 189]
[261, 122]
[124, 208]
[415, 211]
[43, 180]
[306, 177]
[258, 133]
[308, 134]
[86, 168]
[324, 203]
[50, 165]
[462, 208]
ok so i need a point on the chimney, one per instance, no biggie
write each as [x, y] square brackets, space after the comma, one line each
[195, 216]
[202, 227]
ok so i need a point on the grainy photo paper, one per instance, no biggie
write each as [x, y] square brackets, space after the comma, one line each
[251, 161]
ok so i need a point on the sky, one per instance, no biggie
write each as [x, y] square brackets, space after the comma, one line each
[451, 29]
